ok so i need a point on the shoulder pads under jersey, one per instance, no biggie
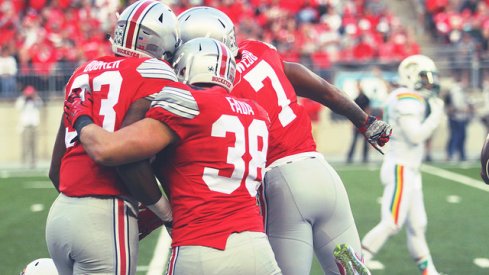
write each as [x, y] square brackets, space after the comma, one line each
[155, 68]
[177, 101]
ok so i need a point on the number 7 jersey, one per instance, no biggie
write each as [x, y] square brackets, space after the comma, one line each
[260, 76]
[115, 82]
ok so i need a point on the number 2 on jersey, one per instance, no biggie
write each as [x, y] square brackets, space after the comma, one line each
[257, 75]
[256, 130]
[111, 78]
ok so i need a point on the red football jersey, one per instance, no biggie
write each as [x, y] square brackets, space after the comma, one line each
[215, 168]
[260, 76]
[116, 82]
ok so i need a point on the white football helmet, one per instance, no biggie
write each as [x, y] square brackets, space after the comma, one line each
[207, 22]
[146, 28]
[42, 266]
[205, 60]
[419, 72]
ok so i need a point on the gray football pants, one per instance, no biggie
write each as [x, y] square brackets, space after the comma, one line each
[306, 210]
[93, 236]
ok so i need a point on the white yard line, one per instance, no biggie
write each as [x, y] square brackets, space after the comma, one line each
[442, 173]
[161, 255]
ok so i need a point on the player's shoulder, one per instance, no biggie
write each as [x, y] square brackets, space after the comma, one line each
[150, 68]
[146, 68]
[255, 45]
[178, 99]
[405, 95]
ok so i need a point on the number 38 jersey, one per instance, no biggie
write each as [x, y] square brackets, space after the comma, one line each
[116, 82]
[216, 167]
[260, 76]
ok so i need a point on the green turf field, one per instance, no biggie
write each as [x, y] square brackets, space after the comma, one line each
[458, 224]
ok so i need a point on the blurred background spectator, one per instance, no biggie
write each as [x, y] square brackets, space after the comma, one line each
[460, 111]
[363, 102]
[8, 71]
[29, 105]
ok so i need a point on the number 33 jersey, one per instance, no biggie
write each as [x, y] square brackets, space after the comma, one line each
[215, 168]
[115, 83]
[260, 76]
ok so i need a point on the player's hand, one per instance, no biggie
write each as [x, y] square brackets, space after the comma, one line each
[79, 103]
[376, 131]
[148, 222]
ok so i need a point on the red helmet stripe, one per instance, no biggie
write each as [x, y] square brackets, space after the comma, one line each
[133, 22]
[224, 61]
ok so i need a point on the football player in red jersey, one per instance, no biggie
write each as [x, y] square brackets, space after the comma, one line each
[92, 226]
[305, 204]
[215, 155]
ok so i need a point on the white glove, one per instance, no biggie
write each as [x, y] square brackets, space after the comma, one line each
[436, 106]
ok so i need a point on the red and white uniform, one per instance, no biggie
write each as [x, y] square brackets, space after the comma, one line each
[116, 82]
[213, 173]
[91, 228]
[216, 167]
[305, 204]
[260, 76]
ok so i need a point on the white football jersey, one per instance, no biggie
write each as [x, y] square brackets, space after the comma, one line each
[406, 106]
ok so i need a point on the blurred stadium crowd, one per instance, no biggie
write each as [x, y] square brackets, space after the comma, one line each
[43, 41]
[40, 37]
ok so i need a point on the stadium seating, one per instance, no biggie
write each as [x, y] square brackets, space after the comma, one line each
[51, 37]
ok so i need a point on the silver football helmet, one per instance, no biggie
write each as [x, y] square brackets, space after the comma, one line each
[207, 22]
[146, 28]
[206, 61]
[420, 73]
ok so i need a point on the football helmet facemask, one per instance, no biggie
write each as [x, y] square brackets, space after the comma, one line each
[205, 61]
[420, 73]
[207, 22]
[146, 28]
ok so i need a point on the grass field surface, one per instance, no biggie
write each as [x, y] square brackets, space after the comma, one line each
[456, 200]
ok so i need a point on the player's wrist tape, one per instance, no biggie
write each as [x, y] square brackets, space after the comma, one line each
[162, 209]
[81, 122]
[366, 124]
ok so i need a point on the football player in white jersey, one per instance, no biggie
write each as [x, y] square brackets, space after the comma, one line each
[414, 110]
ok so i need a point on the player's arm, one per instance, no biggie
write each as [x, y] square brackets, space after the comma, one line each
[138, 141]
[58, 152]
[310, 85]
[485, 161]
[138, 177]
